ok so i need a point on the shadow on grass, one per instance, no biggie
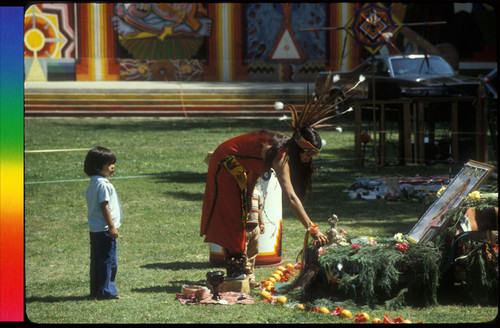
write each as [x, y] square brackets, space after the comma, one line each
[56, 299]
[178, 265]
[173, 124]
[172, 288]
[180, 177]
[183, 178]
[175, 286]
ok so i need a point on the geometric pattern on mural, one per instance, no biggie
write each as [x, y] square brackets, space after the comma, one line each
[274, 25]
[372, 25]
[312, 67]
[48, 32]
[161, 30]
[265, 22]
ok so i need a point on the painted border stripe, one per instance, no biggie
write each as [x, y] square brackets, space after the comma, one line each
[11, 164]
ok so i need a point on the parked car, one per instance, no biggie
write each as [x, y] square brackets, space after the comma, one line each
[401, 76]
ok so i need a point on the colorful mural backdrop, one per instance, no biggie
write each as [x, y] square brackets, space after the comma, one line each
[161, 41]
[49, 41]
[161, 30]
[161, 70]
[372, 26]
[276, 49]
[100, 41]
[178, 41]
[48, 33]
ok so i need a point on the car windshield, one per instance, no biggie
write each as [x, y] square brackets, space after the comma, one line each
[409, 67]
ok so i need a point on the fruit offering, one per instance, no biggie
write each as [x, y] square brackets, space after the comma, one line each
[281, 300]
[324, 309]
[345, 314]
[361, 317]
[265, 295]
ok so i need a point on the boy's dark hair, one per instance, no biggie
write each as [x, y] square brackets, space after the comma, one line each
[96, 158]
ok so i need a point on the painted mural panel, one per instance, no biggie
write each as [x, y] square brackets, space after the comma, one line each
[276, 49]
[161, 70]
[49, 31]
[161, 41]
[49, 42]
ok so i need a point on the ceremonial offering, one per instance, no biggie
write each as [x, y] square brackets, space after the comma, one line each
[198, 292]
[215, 278]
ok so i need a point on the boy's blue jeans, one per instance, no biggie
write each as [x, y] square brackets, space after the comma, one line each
[103, 265]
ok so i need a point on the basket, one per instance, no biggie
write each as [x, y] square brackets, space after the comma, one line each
[199, 292]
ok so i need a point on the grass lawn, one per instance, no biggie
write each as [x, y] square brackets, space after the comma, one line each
[160, 180]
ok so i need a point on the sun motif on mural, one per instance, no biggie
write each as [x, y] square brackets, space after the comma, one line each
[42, 36]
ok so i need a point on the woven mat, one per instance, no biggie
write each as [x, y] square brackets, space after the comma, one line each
[228, 298]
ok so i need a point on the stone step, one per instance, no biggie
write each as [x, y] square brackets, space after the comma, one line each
[161, 99]
[153, 101]
[148, 87]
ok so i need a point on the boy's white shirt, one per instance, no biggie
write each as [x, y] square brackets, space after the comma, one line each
[101, 190]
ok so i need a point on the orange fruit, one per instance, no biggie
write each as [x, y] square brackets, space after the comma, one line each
[281, 300]
[376, 320]
[345, 314]
[268, 283]
[271, 279]
[281, 268]
[301, 307]
[265, 295]
[324, 310]
[270, 288]
[279, 272]
[290, 267]
[362, 317]
[406, 321]
[277, 277]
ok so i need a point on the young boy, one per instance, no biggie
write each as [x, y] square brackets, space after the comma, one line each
[254, 227]
[104, 217]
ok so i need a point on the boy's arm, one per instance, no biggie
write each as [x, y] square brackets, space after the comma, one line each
[261, 222]
[113, 232]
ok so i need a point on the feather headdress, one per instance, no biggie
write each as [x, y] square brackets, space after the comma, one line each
[321, 107]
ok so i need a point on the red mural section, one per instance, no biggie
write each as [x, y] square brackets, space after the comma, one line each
[96, 43]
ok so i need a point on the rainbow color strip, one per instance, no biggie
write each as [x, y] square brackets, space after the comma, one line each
[11, 164]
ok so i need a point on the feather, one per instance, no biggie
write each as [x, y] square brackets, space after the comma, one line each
[294, 114]
[323, 126]
[322, 106]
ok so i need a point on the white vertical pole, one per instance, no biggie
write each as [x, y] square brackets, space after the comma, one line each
[97, 42]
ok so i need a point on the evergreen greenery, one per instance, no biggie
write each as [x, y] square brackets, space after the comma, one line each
[375, 274]
[380, 273]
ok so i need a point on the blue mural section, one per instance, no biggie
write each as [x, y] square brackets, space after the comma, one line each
[265, 22]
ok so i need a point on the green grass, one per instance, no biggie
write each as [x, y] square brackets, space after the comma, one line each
[160, 179]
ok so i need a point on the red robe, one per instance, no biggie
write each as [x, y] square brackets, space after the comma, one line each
[221, 221]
